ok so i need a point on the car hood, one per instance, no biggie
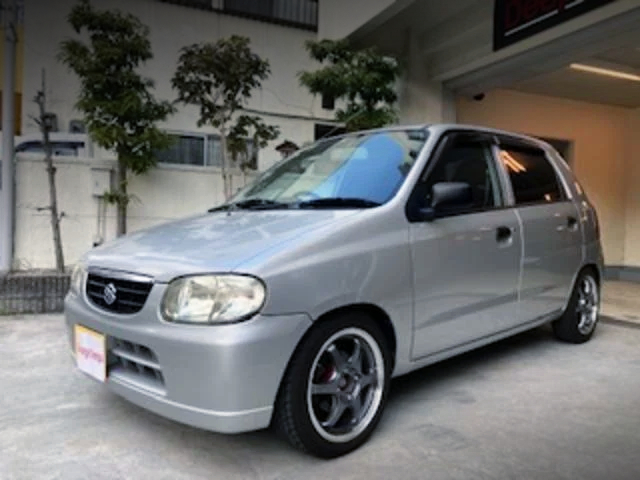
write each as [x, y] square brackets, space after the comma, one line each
[214, 242]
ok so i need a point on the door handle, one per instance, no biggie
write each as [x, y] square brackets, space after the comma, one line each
[572, 222]
[503, 234]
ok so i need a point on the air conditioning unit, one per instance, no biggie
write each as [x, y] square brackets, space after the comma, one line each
[77, 126]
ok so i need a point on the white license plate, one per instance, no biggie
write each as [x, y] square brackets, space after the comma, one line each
[90, 350]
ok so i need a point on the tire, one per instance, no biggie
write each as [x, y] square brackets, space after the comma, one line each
[579, 321]
[335, 389]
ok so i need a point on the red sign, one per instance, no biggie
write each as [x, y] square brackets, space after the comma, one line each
[515, 20]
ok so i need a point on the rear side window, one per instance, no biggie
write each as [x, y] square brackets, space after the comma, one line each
[533, 178]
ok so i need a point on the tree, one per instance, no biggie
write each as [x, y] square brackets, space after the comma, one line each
[44, 121]
[219, 79]
[363, 79]
[118, 107]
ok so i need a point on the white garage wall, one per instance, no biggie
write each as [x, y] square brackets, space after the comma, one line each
[632, 175]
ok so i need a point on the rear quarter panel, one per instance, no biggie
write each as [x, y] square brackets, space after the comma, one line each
[591, 245]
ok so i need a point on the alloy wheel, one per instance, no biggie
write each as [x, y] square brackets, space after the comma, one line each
[588, 305]
[345, 385]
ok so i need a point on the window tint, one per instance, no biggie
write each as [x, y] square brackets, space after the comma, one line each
[467, 162]
[533, 178]
[369, 166]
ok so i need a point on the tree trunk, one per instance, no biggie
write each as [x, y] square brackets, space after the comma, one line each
[55, 217]
[53, 201]
[51, 174]
[225, 164]
[123, 199]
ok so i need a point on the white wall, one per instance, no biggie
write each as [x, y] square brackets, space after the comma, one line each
[421, 99]
[164, 194]
[172, 27]
[338, 18]
[632, 176]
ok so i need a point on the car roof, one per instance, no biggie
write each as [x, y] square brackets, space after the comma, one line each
[440, 128]
[443, 127]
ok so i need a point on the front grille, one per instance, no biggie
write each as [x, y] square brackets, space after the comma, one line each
[136, 364]
[124, 296]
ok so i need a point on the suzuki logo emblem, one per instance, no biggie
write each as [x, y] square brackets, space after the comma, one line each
[110, 294]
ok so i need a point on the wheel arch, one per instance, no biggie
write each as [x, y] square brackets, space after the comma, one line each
[593, 268]
[587, 267]
[377, 314]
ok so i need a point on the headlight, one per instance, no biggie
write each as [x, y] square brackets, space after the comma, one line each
[77, 279]
[213, 299]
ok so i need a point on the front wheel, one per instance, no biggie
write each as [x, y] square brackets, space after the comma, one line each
[335, 389]
[579, 321]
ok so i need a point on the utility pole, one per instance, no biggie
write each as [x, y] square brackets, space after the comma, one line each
[9, 22]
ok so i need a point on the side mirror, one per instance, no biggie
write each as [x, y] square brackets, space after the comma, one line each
[447, 195]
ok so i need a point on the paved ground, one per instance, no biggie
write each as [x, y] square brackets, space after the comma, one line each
[621, 301]
[527, 408]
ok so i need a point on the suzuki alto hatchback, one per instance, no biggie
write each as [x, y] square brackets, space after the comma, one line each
[358, 259]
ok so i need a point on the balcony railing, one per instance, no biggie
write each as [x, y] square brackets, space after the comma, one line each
[295, 13]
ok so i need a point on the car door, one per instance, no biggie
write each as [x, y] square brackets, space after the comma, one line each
[551, 229]
[466, 262]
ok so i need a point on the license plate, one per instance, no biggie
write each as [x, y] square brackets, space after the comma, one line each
[90, 349]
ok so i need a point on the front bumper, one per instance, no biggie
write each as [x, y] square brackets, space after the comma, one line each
[222, 378]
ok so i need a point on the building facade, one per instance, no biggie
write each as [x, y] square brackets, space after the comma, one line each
[567, 71]
[187, 180]
[277, 34]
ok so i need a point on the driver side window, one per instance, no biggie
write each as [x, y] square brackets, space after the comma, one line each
[471, 162]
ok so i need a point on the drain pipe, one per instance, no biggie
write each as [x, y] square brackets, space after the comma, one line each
[10, 20]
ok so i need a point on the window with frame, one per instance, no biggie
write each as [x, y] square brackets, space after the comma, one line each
[467, 161]
[203, 151]
[533, 178]
[184, 150]
[58, 148]
[245, 160]
[295, 13]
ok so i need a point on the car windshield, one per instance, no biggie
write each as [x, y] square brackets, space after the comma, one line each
[357, 170]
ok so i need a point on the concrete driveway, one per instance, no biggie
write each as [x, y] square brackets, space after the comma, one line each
[526, 408]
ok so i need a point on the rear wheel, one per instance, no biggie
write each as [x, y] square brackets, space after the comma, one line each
[579, 321]
[335, 389]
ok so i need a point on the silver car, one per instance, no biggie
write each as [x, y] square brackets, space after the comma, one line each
[359, 259]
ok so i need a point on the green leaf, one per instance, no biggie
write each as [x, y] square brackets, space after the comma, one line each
[363, 79]
[219, 78]
[116, 101]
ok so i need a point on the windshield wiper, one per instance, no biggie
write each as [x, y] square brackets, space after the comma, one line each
[251, 204]
[338, 202]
